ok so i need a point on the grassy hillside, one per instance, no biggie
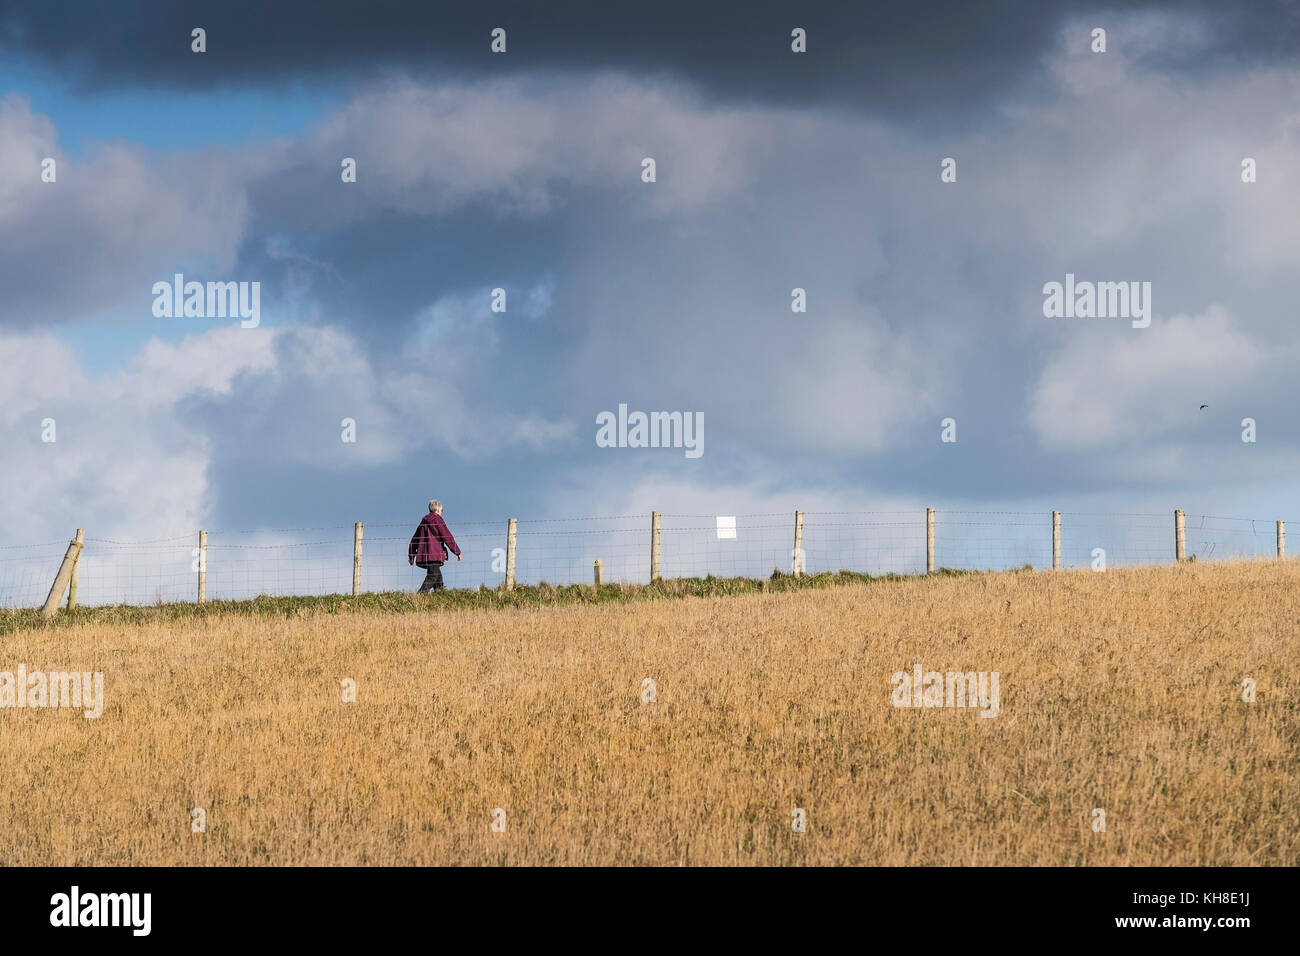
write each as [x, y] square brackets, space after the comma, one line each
[402, 602]
[1119, 691]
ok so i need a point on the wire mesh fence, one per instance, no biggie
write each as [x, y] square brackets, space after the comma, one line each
[313, 561]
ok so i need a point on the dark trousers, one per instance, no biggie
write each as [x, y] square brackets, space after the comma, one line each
[432, 579]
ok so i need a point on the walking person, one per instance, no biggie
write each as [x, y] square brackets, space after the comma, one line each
[427, 547]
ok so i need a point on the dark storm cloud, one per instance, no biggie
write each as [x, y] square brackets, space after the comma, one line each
[896, 59]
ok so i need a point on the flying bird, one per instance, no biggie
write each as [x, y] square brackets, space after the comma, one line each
[1203, 407]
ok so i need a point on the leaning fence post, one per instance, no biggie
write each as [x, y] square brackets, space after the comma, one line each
[1056, 541]
[654, 546]
[356, 558]
[64, 576]
[597, 572]
[76, 567]
[798, 544]
[1180, 536]
[929, 541]
[1281, 538]
[510, 554]
[203, 566]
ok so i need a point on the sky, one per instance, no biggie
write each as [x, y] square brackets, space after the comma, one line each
[523, 171]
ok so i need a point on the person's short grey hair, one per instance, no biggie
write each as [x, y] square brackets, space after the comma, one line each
[434, 504]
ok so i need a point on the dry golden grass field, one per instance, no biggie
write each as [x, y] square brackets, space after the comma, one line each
[1120, 690]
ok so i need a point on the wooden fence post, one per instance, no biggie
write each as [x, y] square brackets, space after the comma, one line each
[203, 566]
[654, 547]
[597, 573]
[357, 530]
[1180, 536]
[1281, 539]
[929, 541]
[76, 567]
[64, 576]
[1056, 541]
[510, 554]
[798, 544]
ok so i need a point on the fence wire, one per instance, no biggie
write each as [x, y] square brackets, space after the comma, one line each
[313, 561]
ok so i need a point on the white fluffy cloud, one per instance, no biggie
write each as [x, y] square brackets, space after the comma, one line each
[123, 461]
[132, 457]
[1117, 385]
[111, 224]
[517, 143]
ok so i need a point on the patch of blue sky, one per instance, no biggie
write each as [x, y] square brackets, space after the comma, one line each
[109, 340]
[170, 119]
